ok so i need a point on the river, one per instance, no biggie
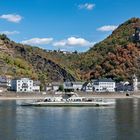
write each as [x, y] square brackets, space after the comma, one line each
[121, 122]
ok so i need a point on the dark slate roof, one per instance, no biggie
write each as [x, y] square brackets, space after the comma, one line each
[20, 78]
[74, 83]
[104, 80]
[56, 83]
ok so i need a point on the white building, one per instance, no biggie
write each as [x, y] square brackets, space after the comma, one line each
[104, 85]
[53, 86]
[36, 86]
[75, 86]
[22, 85]
[49, 87]
[135, 83]
[5, 81]
[87, 87]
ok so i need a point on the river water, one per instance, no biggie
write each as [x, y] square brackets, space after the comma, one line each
[121, 122]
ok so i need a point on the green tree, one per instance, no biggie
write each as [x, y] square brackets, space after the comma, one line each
[61, 88]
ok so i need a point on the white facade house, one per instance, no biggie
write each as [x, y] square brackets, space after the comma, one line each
[87, 87]
[75, 86]
[8, 82]
[5, 81]
[36, 86]
[48, 87]
[104, 85]
[22, 85]
[78, 85]
[53, 86]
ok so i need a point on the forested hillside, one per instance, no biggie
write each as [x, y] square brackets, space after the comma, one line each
[117, 57]
[19, 60]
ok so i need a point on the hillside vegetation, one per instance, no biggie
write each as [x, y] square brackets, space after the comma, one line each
[19, 60]
[118, 57]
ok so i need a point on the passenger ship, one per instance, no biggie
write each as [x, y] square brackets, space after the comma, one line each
[71, 99]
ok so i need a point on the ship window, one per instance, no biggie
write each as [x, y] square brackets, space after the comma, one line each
[46, 100]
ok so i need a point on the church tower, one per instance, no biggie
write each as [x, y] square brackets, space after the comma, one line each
[135, 83]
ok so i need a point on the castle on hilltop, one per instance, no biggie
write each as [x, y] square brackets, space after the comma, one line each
[137, 34]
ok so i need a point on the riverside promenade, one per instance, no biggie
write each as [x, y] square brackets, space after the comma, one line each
[35, 96]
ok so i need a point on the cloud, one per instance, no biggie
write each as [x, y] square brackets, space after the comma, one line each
[69, 44]
[12, 18]
[60, 43]
[73, 41]
[107, 28]
[9, 32]
[87, 6]
[38, 41]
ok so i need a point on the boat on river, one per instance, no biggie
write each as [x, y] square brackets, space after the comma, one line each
[71, 99]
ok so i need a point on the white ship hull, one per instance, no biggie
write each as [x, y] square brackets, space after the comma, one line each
[70, 104]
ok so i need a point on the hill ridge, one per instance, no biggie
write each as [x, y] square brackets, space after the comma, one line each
[117, 57]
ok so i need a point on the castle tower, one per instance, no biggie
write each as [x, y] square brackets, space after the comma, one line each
[137, 34]
[135, 83]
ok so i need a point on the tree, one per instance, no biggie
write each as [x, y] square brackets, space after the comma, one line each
[61, 88]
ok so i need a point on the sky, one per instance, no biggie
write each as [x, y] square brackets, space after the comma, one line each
[67, 25]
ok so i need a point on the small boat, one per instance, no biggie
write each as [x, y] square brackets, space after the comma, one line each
[70, 99]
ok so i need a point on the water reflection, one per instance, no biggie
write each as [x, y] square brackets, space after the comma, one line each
[70, 123]
[7, 121]
[127, 119]
[65, 122]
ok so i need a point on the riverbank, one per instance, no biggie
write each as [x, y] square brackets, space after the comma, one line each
[37, 96]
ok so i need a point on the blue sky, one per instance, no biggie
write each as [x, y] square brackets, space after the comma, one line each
[64, 24]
